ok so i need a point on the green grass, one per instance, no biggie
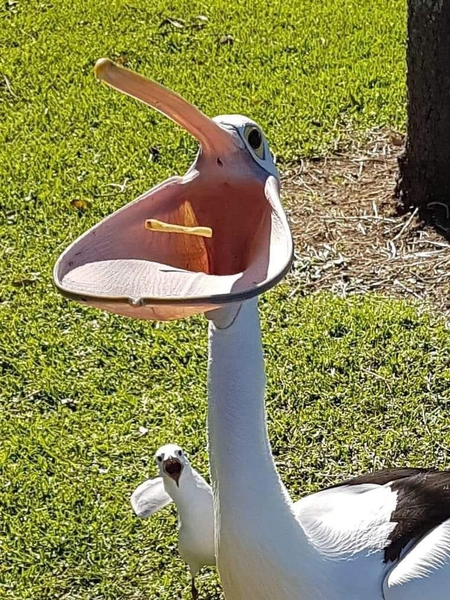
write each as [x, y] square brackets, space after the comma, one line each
[353, 384]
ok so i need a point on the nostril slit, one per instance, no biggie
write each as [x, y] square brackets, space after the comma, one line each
[219, 162]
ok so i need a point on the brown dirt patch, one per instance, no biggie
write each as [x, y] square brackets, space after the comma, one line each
[350, 236]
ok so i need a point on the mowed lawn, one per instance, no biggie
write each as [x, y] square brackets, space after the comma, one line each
[352, 384]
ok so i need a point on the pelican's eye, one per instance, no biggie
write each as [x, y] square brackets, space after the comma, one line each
[159, 458]
[179, 452]
[255, 140]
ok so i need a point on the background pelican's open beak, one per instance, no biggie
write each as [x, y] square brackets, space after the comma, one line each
[127, 265]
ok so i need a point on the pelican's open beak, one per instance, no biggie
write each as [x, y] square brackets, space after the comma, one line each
[173, 468]
[191, 244]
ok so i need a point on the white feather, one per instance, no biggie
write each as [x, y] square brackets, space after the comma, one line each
[149, 497]
[343, 521]
[424, 571]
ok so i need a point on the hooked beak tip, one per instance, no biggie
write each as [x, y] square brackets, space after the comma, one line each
[101, 68]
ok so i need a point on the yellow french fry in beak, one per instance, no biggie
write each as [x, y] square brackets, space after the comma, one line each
[155, 225]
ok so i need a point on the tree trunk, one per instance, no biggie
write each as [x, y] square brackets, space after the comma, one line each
[424, 177]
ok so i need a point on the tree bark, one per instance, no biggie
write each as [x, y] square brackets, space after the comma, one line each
[424, 175]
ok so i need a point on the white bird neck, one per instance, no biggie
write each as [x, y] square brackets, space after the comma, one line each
[193, 497]
[238, 439]
[259, 543]
[183, 493]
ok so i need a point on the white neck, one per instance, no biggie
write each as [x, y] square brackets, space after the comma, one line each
[259, 543]
[190, 495]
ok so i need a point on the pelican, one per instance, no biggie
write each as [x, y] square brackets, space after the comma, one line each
[178, 482]
[385, 536]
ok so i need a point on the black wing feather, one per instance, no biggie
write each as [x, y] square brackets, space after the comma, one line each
[423, 502]
[384, 476]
